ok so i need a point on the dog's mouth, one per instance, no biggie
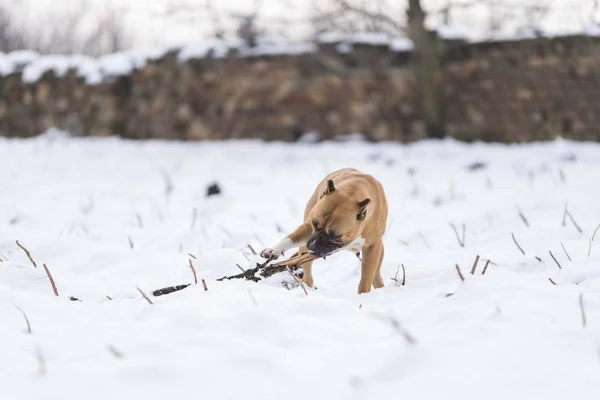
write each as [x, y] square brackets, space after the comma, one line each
[323, 246]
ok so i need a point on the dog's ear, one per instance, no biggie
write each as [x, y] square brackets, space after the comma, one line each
[362, 209]
[330, 187]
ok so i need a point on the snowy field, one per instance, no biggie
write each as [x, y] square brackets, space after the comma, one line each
[109, 216]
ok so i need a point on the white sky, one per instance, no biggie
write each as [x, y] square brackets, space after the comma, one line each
[150, 27]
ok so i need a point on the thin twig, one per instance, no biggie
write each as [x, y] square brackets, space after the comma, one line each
[108, 297]
[565, 250]
[517, 243]
[192, 256]
[251, 249]
[583, 318]
[487, 263]
[297, 280]
[590, 247]
[27, 253]
[240, 267]
[204, 285]
[555, 260]
[51, 280]
[551, 281]
[194, 216]
[144, 295]
[26, 319]
[252, 297]
[193, 271]
[573, 221]
[460, 275]
[130, 242]
[523, 217]
[564, 220]
[475, 265]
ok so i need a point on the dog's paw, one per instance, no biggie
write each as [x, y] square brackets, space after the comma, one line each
[271, 254]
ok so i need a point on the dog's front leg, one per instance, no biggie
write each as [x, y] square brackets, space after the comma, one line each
[295, 239]
[370, 263]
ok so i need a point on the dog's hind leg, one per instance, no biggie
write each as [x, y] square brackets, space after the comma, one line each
[378, 280]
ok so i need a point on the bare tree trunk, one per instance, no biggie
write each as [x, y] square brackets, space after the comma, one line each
[426, 69]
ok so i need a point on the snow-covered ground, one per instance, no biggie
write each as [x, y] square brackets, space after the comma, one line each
[79, 204]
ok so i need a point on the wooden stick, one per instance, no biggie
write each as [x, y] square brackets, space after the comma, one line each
[523, 217]
[51, 280]
[297, 280]
[460, 275]
[565, 250]
[27, 253]
[144, 295]
[204, 285]
[517, 243]
[475, 265]
[487, 263]
[581, 306]
[193, 271]
[555, 260]
[26, 319]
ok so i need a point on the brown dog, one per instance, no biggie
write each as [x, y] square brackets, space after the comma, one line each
[348, 211]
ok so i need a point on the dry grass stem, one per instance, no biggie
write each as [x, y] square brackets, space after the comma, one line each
[590, 247]
[424, 240]
[115, 352]
[487, 263]
[581, 306]
[251, 248]
[26, 319]
[517, 243]
[144, 295]
[204, 285]
[297, 280]
[54, 289]
[565, 250]
[461, 241]
[193, 271]
[595, 231]
[555, 260]
[27, 253]
[523, 217]
[240, 267]
[551, 281]
[573, 221]
[460, 275]
[475, 265]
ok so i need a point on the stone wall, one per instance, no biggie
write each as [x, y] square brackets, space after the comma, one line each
[504, 91]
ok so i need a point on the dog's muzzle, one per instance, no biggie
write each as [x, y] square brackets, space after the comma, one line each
[321, 246]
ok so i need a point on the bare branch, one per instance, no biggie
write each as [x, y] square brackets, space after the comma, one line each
[193, 271]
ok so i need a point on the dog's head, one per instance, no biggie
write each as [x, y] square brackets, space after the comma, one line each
[337, 220]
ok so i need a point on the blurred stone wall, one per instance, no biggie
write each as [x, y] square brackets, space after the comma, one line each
[502, 91]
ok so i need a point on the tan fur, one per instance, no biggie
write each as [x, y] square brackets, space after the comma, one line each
[337, 211]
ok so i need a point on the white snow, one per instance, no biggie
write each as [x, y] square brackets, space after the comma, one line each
[272, 46]
[219, 49]
[508, 334]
